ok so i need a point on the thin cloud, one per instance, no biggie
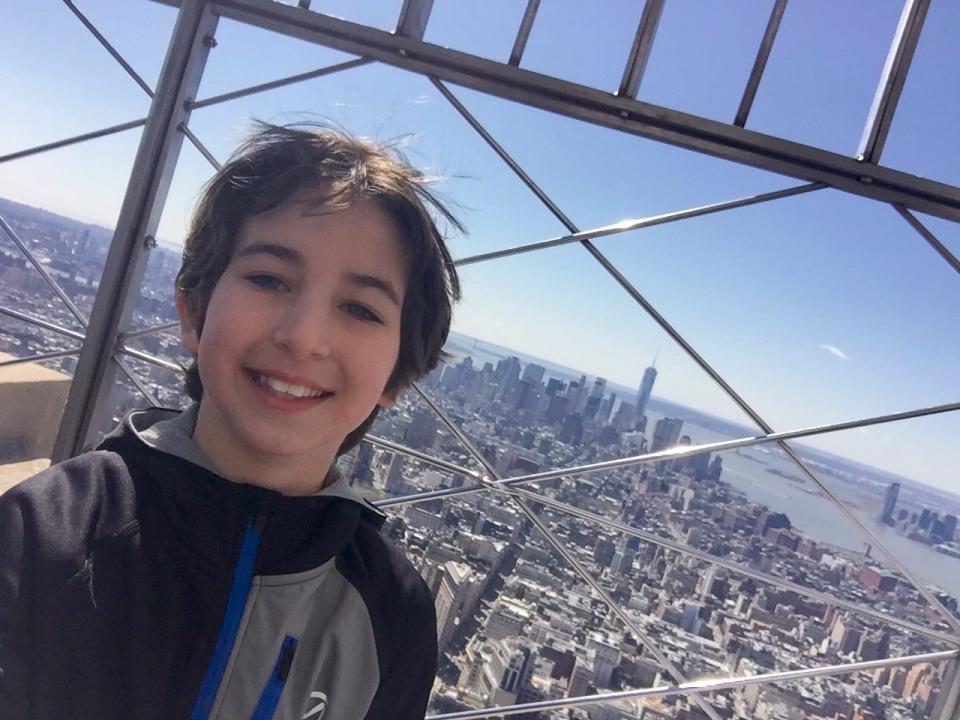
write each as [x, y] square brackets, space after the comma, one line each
[835, 351]
[420, 100]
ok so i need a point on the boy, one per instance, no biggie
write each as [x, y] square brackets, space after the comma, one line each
[212, 564]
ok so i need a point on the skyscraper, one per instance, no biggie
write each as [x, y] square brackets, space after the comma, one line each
[646, 387]
[890, 503]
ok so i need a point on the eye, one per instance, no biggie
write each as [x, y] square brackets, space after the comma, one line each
[266, 281]
[362, 312]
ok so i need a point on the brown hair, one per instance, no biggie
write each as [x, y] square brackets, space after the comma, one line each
[332, 170]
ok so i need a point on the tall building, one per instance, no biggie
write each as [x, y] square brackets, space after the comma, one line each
[890, 503]
[646, 387]
[666, 433]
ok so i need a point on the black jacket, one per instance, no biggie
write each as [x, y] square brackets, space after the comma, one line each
[135, 584]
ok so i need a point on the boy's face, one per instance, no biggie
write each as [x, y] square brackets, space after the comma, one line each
[301, 334]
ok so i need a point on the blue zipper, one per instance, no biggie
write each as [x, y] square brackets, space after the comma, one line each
[239, 589]
[271, 693]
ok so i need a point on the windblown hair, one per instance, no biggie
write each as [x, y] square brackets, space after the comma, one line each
[329, 171]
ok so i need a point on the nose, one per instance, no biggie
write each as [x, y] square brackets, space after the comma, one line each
[304, 329]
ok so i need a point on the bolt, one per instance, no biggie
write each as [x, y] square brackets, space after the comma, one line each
[149, 242]
[209, 41]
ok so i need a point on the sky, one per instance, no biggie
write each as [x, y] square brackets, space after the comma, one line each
[817, 309]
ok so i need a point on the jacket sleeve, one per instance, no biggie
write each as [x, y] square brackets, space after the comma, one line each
[406, 684]
[14, 670]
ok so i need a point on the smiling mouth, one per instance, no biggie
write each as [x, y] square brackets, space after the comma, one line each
[288, 391]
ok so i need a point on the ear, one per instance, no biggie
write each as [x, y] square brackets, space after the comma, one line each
[189, 336]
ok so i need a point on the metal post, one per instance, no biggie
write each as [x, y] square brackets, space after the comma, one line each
[891, 81]
[413, 18]
[642, 46]
[760, 62]
[523, 34]
[149, 181]
[947, 706]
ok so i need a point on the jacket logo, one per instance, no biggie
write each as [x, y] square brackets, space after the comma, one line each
[317, 711]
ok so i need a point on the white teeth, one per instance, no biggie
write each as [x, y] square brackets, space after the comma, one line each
[279, 386]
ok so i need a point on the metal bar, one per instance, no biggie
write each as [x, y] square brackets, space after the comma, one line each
[638, 297]
[523, 33]
[733, 566]
[642, 46]
[892, 79]
[274, 84]
[630, 225]
[421, 457]
[195, 141]
[760, 63]
[108, 47]
[66, 142]
[925, 233]
[115, 54]
[41, 356]
[679, 452]
[698, 687]
[148, 331]
[152, 359]
[47, 278]
[584, 574]
[137, 382]
[602, 108]
[22, 317]
[149, 181]
[414, 17]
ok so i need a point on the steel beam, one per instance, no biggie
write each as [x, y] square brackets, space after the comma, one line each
[41, 356]
[600, 108]
[175, 324]
[760, 63]
[279, 83]
[942, 250]
[523, 33]
[699, 687]
[631, 225]
[642, 47]
[414, 16]
[139, 215]
[892, 79]
[40, 322]
[66, 142]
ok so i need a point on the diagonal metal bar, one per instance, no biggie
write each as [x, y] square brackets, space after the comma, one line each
[40, 322]
[523, 33]
[53, 284]
[66, 142]
[115, 54]
[137, 382]
[698, 687]
[631, 225]
[615, 273]
[760, 63]
[892, 79]
[557, 545]
[932, 239]
[279, 83]
[680, 452]
[731, 565]
[152, 359]
[149, 331]
[421, 457]
[108, 47]
[642, 46]
[41, 356]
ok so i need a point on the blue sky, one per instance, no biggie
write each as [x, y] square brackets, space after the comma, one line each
[818, 308]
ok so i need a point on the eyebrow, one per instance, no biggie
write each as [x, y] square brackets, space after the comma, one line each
[289, 255]
[377, 283]
[281, 252]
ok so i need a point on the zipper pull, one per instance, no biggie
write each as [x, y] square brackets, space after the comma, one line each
[287, 652]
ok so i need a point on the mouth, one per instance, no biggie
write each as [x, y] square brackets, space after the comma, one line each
[285, 390]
